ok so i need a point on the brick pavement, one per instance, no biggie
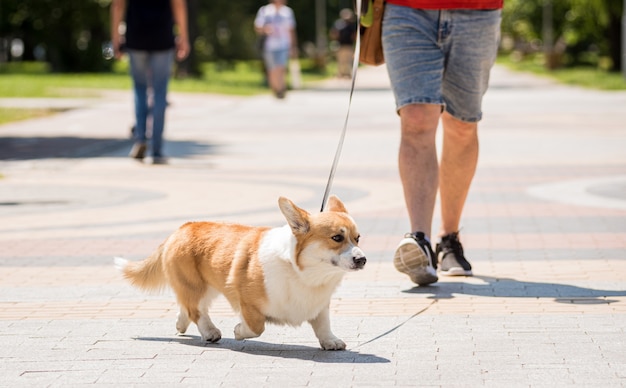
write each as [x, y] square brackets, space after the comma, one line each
[545, 229]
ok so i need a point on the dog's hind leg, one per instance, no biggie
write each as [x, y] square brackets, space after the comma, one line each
[182, 321]
[196, 310]
[206, 327]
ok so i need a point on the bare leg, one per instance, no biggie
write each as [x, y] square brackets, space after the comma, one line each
[418, 163]
[458, 165]
[277, 79]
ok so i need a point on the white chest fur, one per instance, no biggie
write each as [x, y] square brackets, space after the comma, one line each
[295, 295]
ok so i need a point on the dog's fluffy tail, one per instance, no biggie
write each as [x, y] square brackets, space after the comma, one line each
[147, 274]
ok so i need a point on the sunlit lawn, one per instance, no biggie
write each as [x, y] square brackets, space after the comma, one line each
[240, 78]
[8, 115]
[588, 77]
[32, 80]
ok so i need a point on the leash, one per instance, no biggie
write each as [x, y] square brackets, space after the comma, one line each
[355, 65]
[397, 326]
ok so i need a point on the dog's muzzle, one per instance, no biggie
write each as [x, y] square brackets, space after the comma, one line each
[358, 258]
[359, 262]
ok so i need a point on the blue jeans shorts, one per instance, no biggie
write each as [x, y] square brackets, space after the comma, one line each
[441, 57]
[276, 58]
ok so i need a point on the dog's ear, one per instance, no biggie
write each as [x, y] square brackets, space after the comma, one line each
[298, 219]
[335, 205]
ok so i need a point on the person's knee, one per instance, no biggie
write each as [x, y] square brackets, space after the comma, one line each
[458, 129]
[419, 119]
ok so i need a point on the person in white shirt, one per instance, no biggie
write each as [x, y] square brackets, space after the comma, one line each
[276, 24]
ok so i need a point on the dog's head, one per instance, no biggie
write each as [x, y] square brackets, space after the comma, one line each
[324, 240]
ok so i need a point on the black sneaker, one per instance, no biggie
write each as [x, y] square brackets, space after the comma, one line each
[414, 257]
[452, 261]
[138, 151]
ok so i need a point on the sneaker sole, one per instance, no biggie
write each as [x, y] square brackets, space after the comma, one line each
[411, 260]
[456, 271]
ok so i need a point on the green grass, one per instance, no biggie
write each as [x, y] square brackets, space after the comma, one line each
[8, 115]
[587, 77]
[33, 80]
[239, 78]
[59, 85]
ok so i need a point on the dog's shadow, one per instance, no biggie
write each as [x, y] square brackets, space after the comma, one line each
[259, 348]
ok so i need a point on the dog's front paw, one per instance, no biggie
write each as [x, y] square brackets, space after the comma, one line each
[211, 335]
[332, 344]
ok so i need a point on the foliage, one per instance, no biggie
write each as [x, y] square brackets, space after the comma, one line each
[71, 33]
[585, 32]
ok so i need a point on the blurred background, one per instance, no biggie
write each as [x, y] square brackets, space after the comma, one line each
[67, 36]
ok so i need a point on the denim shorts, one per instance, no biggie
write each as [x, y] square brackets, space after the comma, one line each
[441, 57]
[276, 58]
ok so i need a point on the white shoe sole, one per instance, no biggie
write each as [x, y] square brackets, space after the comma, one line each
[411, 260]
[456, 271]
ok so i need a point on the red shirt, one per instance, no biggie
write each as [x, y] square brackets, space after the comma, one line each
[449, 4]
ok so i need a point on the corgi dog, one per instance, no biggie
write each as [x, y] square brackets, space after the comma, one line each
[284, 275]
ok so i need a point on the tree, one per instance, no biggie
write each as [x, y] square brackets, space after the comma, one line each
[585, 32]
[70, 33]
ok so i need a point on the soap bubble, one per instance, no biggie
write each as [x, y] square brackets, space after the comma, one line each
[107, 51]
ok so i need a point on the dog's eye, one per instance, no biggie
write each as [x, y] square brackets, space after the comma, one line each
[338, 238]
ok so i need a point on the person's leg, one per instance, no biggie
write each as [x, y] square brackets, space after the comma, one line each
[279, 72]
[418, 167]
[161, 66]
[415, 64]
[418, 164]
[344, 60]
[471, 48]
[458, 164]
[139, 70]
[277, 79]
[270, 59]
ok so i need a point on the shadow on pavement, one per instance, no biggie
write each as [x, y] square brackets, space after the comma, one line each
[28, 148]
[511, 288]
[260, 348]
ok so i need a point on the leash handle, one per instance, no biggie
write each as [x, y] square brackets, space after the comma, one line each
[355, 65]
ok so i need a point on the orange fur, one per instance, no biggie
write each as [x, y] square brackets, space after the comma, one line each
[254, 268]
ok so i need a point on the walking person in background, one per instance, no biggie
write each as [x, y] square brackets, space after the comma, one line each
[276, 23]
[439, 55]
[344, 33]
[151, 44]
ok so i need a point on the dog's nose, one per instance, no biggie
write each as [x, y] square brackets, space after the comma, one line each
[359, 261]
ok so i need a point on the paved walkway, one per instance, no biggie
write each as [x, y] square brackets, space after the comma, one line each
[545, 228]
